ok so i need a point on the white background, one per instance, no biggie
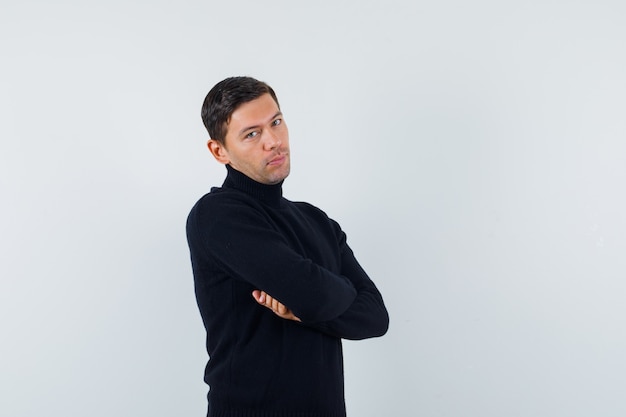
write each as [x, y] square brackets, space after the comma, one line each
[474, 152]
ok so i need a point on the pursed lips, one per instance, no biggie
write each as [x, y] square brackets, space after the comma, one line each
[277, 160]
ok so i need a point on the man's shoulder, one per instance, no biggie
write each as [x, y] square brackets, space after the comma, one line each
[218, 205]
[218, 197]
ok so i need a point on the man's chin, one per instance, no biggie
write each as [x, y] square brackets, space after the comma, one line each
[278, 177]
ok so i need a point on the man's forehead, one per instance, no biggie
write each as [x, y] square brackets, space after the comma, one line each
[259, 110]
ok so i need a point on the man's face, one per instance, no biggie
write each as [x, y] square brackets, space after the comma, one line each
[257, 141]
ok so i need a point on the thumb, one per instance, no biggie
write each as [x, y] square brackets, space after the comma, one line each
[257, 295]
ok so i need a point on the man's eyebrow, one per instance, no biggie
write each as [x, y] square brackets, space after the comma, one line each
[245, 129]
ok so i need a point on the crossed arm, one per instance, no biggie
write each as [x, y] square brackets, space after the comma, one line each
[365, 317]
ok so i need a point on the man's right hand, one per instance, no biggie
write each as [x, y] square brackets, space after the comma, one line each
[273, 304]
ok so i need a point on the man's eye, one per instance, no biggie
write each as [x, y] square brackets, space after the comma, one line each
[252, 134]
[277, 122]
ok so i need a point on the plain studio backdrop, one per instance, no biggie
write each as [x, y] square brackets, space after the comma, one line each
[474, 153]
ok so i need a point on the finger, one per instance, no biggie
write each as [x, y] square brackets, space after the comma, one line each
[267, 300]
[259, 296]
[282, 309]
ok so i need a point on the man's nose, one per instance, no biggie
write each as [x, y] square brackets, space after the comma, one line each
[271, 140]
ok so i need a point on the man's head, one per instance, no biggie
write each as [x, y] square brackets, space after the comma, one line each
[225, 97]
[247, 129]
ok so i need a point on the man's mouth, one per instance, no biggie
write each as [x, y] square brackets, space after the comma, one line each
[277, 160]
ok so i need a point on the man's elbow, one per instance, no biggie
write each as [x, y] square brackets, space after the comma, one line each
[380, 324]
[376, 325]
[383, 325]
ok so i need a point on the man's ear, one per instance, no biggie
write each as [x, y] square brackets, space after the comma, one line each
[218, 150]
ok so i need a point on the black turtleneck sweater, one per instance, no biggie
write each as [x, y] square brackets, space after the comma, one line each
[246, 236]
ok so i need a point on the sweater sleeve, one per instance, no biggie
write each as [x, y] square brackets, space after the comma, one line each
[367, 315]
[245, 246]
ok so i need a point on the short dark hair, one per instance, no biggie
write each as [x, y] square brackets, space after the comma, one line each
[225, 97]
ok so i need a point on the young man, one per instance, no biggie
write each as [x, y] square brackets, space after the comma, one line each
[277, 285]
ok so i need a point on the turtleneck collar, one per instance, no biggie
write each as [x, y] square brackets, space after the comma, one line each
[268, 194]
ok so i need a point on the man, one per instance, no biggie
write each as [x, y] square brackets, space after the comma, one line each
[276, 283]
